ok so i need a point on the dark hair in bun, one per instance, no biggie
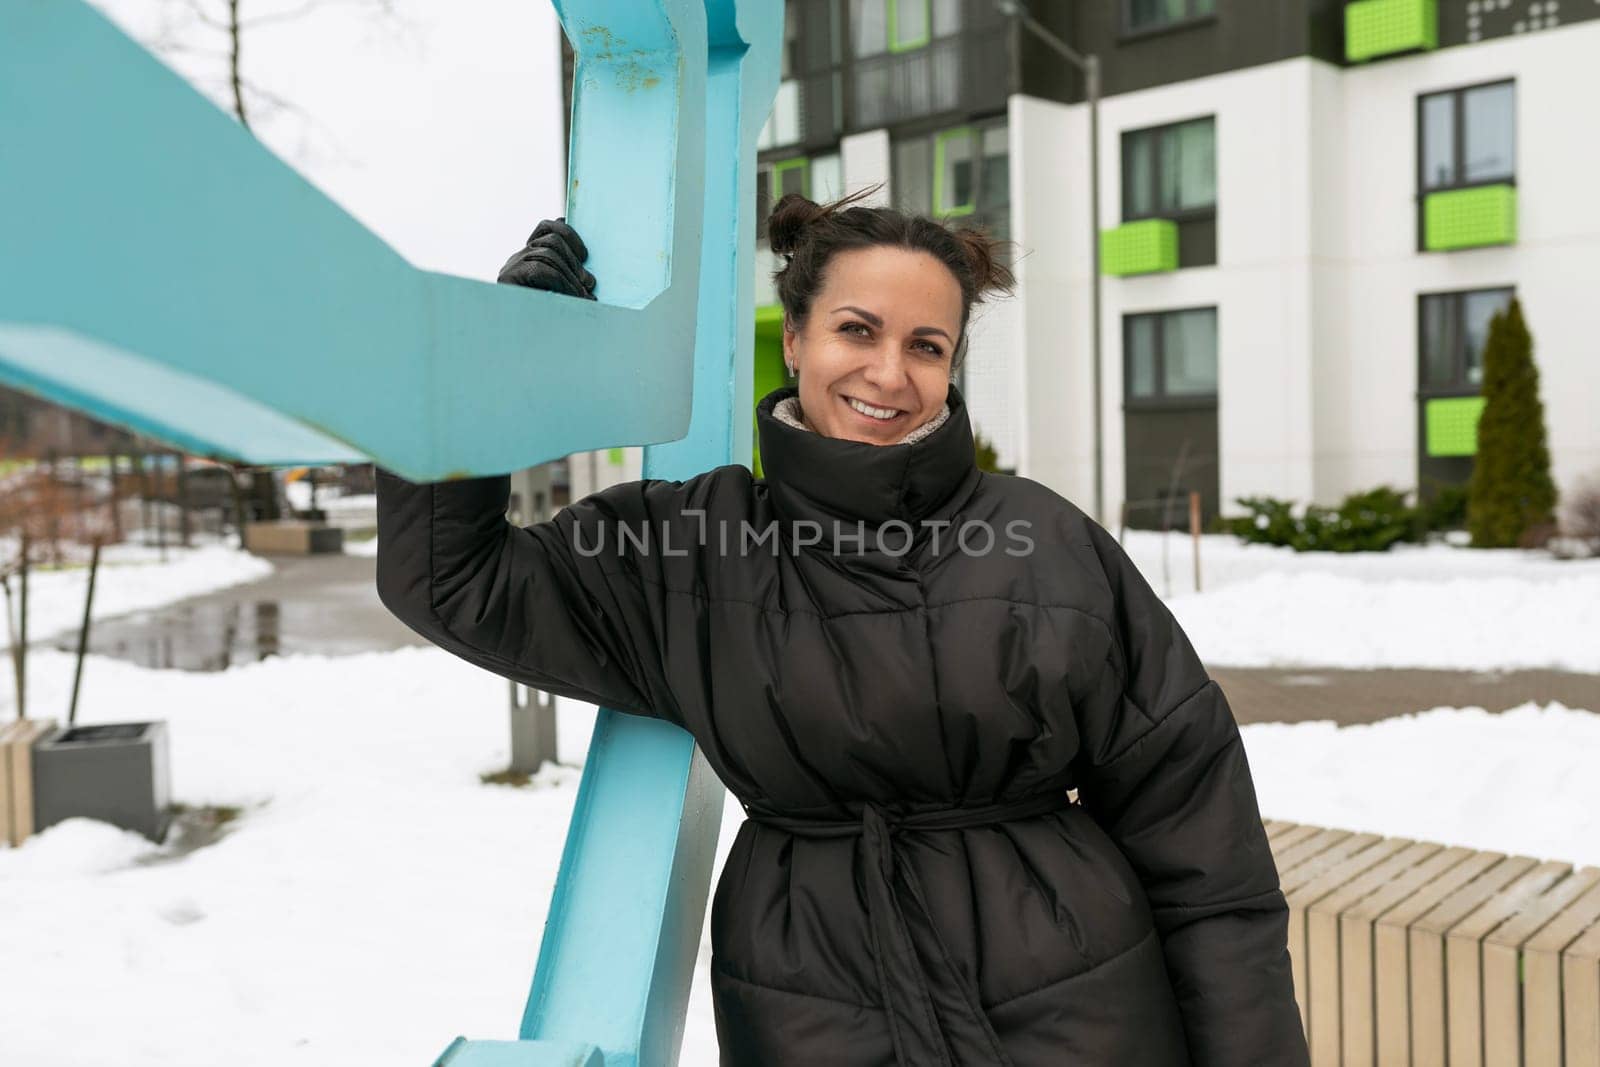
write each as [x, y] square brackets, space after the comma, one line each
[809, 235]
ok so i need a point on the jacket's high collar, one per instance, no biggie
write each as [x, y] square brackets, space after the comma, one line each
[824, 478]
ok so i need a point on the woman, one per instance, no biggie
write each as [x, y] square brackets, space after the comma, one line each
[901, 666]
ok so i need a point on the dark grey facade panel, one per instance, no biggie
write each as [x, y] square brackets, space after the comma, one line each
[1471, 21]
[1242, 34]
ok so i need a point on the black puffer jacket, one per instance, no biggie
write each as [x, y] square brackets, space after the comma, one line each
[902, 712]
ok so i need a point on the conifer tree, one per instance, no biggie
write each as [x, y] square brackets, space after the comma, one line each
[1511, 490]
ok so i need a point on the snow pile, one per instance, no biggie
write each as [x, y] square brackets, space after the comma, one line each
[131, 578]
[1520, 782]
[1415, 606]
[370, 869]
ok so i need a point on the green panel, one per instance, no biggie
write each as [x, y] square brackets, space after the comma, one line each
[799, 163]
[1470, 218]
[769, 372]
[1453, 425]
[1142, 247]
[895, 43]
[1383, 27]
[940, 207]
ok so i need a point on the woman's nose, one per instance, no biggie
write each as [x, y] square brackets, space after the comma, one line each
[887, 371]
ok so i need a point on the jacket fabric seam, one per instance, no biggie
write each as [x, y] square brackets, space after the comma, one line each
[1114, 957]
[1157, 723]
[848, 614]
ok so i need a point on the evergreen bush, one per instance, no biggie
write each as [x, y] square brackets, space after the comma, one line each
[1363, 522]
[1511, 493]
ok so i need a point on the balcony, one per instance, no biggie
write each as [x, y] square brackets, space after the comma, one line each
[1143, 247]
[1452, 425]
[1470, 218]
[1375, 28]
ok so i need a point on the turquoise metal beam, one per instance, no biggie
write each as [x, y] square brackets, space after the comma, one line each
[204, 294]
[150, 226]
[619, 948]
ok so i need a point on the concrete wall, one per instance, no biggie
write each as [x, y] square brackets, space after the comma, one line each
[1555, 264]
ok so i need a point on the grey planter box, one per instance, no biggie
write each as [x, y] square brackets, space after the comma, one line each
[117, 772]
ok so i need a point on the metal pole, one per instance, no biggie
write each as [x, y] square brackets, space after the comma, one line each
[1091, 72]
[83, 634]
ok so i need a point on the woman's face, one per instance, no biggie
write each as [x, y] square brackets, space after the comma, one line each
[874, 353]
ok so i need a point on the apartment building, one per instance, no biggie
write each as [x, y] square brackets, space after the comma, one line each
[1309, 210]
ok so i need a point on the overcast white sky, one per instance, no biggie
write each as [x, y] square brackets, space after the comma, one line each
[439, 128]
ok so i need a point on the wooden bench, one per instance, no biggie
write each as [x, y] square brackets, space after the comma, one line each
[1414, 953]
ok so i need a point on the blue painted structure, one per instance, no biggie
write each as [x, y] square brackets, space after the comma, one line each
[164, 272]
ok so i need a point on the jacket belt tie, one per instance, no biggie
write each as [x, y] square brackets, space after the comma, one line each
[934, 1015]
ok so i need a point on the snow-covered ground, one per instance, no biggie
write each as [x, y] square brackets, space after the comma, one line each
[131, 578]
[370, 869]
[1414, 606]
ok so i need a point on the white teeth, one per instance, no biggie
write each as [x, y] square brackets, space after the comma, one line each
[870, 411]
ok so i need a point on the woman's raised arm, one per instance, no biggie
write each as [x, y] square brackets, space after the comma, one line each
[556, 605]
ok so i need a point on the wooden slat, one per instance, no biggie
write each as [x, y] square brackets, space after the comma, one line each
[1359, 1003]
[1277, 827]
[1314, 866]
[1580, 999]
[1392, 949]
[1502, 966]
[1429, 1038]
[8, 833]
[1329, 978]
[17, 753]
[1464, 958]
[1306, 849]
[1307, 893]
[1541, 979]
[1288, 838]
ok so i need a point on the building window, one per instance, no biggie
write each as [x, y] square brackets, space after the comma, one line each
[1141, 15]
[808, 109]
[1467, 137]
[1170, 357]
[1454, 327]
[816, 177]
[961, 172]
[879, 26]
[1170, 172]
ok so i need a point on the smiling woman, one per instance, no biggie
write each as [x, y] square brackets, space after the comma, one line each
[875, 313]
[999, 814]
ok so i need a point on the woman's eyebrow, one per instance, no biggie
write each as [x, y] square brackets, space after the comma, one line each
[877, 323]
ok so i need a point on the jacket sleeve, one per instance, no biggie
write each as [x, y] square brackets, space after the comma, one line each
[1165, 774]
[558, 605]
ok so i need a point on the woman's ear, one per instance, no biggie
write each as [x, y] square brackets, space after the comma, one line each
[790, 352]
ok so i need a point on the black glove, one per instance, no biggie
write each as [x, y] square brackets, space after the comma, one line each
[552, 260]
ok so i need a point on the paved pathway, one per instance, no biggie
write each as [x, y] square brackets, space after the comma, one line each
[1365, 696]
[310, 604]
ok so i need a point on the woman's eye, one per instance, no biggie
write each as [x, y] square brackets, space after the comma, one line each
[930, 348]
[852, 327]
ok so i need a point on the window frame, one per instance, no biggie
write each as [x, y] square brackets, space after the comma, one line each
[1161, 400]
[1186, 214]
[1459, 140]
[1459, 359]
[940, 139]
[936, 136]
[892, 27]
[1128, 31]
